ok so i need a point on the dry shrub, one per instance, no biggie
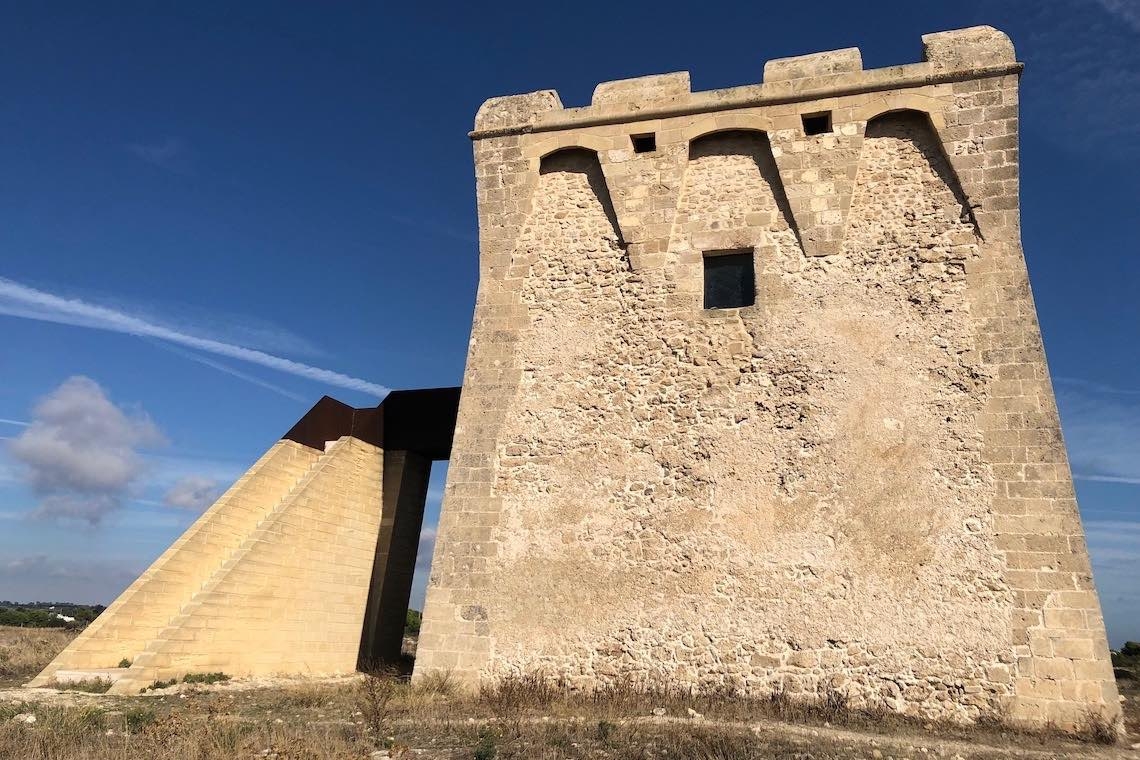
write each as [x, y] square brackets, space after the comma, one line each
[527, 692]
[780, 705]
[438, 682]
[833, 706]
[1097, 729]
[303, 696]
[627, 698]
[375, 696]
[512, 699]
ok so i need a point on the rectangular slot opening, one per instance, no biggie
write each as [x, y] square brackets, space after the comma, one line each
[730, 279]
[644, 143]
[817, 123]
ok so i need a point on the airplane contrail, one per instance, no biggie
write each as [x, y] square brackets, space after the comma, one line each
[18, 300]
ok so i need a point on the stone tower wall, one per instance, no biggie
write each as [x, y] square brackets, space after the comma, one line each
[856, 484]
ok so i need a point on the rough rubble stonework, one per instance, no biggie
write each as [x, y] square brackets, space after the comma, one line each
[858, 484]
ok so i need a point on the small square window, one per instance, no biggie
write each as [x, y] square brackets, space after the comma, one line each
[730, 279]
[644, 143]
[817, 123]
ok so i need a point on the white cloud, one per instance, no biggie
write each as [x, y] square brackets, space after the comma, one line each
[1079, 53]
[19, 300]
[64, 579]
[80, 453]
[1127, 11]
[169, 154]
[193, 492]
[1102, 430]
[426, 548]
[164, 470]
[423, 567]
[1114, 547]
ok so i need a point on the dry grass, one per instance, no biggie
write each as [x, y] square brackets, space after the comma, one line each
[524, 717]
[1096, 728]
[531, 695]
[24, 652]
[77, 733]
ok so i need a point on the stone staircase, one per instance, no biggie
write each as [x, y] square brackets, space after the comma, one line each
[148, 606]
[291, 597]
[155, 662]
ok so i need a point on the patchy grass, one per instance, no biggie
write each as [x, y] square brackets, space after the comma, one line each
[24, 652]
[89, 685]
[159, 685]
[206, 678]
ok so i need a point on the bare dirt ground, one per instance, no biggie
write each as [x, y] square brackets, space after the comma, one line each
[382, 716]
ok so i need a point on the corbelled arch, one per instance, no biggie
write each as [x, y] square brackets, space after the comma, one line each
[731, 198]
[583, 160]
[925, 124]
[726, 122]
[956, 154]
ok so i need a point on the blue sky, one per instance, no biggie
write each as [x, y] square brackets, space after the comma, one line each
[216, 212]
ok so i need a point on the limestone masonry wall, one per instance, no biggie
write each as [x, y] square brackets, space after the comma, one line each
[856, 484]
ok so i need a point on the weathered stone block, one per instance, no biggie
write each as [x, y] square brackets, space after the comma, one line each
[973, 48]
[641, 91]
[845, 61]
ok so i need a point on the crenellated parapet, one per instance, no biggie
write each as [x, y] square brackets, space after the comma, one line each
[963, 54]
[813, 109]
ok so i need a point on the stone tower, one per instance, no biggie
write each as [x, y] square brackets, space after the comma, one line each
[756, 399]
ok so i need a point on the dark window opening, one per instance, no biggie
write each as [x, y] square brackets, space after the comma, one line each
[644, 143]
[817, 123]
[730, 279]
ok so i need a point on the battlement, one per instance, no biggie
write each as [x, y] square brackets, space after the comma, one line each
[952, 56]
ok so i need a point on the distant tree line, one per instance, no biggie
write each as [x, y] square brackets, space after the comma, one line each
[46, 614]
[1126, 661]
[412, 625]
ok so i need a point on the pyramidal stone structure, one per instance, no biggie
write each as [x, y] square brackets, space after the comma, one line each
[756, 400]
